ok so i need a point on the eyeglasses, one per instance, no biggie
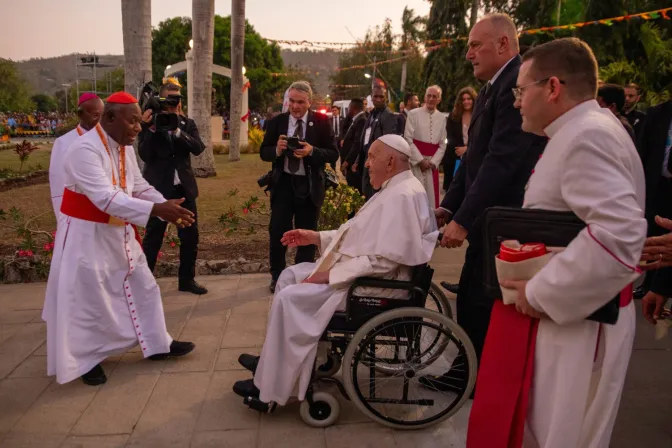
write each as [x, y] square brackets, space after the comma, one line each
[518, 91]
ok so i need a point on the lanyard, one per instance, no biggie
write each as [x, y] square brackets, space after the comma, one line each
[122, 159]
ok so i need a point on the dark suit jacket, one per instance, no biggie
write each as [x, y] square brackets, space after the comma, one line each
[320, 136]
[652, 151]
[353, 140]
[163, 154]
[340, 126]
[499, 158]
[455, 139]
[381, 123]
[636, 119]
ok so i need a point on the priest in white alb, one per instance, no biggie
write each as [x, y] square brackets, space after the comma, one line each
[426, 134]
[101, 297]
[574, 376]
[89, 111]
[308, 294]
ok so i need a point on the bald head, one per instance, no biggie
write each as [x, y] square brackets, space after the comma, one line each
[493, 41]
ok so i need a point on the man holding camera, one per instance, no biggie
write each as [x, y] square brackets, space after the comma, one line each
[299, 143]
[165, 145]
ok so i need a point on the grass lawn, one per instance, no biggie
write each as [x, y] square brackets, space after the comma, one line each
[213, 201]
[9, 159]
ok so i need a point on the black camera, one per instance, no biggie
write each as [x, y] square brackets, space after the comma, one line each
[293, 143]
[150, 99]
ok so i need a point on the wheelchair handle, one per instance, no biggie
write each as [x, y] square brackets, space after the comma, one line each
[440, 237]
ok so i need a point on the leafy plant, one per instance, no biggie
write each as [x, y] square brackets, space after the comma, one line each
[255, 137]
[23, 150]
[339, 204]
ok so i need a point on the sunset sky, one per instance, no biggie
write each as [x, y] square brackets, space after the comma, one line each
[46, 28]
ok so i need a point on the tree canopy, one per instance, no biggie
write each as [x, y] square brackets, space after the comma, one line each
[170, 42]
[14, 91]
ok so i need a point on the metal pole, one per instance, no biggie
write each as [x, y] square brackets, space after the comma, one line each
[373, 76]
[557, 20]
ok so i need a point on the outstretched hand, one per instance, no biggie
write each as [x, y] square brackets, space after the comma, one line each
[172, 212]
[300, 237]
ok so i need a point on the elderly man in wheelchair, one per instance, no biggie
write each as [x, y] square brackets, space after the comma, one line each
[365, 298]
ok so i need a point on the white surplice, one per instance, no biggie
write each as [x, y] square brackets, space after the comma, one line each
[590, 167]
[101, 297]
[429, 128]
[56, 170]
[392, 232]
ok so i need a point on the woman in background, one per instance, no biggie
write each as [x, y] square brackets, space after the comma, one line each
[458, 132]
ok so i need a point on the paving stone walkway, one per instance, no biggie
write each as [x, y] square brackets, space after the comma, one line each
[189, 402]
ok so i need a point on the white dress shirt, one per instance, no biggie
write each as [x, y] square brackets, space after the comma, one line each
[291, 128]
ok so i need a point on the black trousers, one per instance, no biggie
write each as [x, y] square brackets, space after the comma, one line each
[473, 307]
[448, 169]
[188, 236]
[291, 207]
[663, 208]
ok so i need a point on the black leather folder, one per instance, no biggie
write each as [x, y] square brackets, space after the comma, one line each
[528, 225]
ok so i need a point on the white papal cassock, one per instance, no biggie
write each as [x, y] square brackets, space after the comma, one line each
[56, 169]
[590, 167]
[102, 298]
[392, 232]
[428, 128]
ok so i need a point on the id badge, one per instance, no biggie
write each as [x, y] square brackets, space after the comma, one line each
[367, 136]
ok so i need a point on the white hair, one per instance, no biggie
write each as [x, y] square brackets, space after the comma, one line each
[503, 24]
[436, 88]
[302, 86]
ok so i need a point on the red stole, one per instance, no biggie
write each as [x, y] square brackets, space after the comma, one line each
[428, 150]
[79, 206]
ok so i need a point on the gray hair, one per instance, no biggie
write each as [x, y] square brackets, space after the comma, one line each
[436, 88]
[503, 23]
[302, 86]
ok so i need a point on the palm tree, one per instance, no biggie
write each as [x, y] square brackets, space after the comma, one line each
[136, 22]
[203, 32]
[411, 31]
[136, 19]
[237, 51]
[474, 13]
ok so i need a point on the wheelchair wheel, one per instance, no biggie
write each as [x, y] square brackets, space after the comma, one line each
[438, 301]
[323, 412]
[329, 368]
[409, 331]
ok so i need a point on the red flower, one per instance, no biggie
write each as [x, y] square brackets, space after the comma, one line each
[172, 244]
[245, 211]
[160, 254]
[47, 247]
[165, 234]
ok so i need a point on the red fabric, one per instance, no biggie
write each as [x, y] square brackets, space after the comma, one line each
[121, 98]
[79, 206]
[84, 97]
[498, 414]
[428, 150]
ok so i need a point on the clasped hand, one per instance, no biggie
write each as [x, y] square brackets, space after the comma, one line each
[522, 305]
[657, 252]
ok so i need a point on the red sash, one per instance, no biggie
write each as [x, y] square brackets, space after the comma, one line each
[505, 375]
[428, 150]
[79, 206]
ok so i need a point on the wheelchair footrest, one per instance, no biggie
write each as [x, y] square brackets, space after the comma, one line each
[258, 405]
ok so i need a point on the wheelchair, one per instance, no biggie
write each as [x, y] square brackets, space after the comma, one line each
[385, 346]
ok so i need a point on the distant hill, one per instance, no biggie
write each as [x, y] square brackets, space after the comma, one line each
[45, 75]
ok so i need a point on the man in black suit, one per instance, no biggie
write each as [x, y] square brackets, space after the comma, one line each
[635, 117]
[167, 157]
[298, 179]
[654, 148]
[493, 172]
[350, 148]
[381, 121]
[612, 97]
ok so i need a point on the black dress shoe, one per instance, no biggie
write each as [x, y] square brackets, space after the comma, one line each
[192, 287]
[250, 362]
[177, 349]
[451, 287]
[246, 389]
[95, 376]
[272, 285]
